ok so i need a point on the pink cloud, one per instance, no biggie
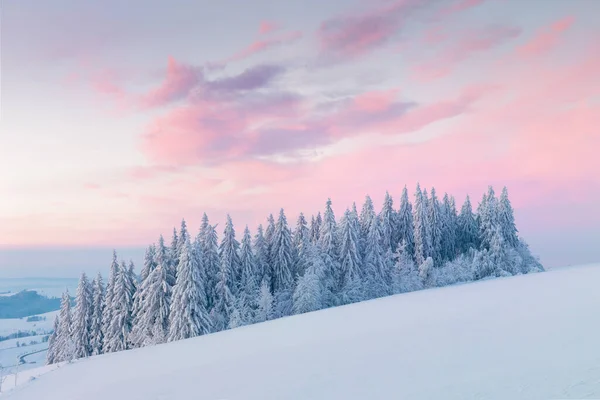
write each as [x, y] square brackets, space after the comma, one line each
[462, 47]
[546, 38]
[266, 27]
[179, 81]
[459, 5]
[359, 33]
[260, 46]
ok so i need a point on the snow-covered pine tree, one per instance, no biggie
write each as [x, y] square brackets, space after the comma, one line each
[317, 228]
[183, 237]
[266, 307]
[117, 338]
[282, 255]
[308, 295]
[152, 322]
[468, 231]
[421, 228]
[226, 286]
[367, 214]
[96, 334]
[350, 260]
[212, 263]
[406, 274]
[488, 217]
[247, 299]
[387, 224]
[436, 224]
[329, 248]
[507, 219]
[301, 238]
[451, 228]
[262, 254]
[64, 342]
[108, 299]
[405, 223]
[188, 314]
[269, 232]
[173, 253]
[82, 319]
[52, 353]
[375, 284]
[149, 263]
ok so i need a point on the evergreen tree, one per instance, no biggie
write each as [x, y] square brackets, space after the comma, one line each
[507, 220]
[449, 238]
[328, 245]
[281, 255]
[229, 255]
[64, 343]
[247, 300]
[436, 225]
[269, 233]
[468, 231]
[406, 274]
[149, 263]
[367, 215]
[174, 253]
[82, 319]
[262, 254]
[375, 267]
[265, 309]
[421, 232]
[226, 286]
[188, 314]
[301, 239]
[117, 338]
[350, 259]
[52, 353]
[212, 262]
[152, 322]
[405, 223]
[488, 217]
[184, 236]
[96, 334]
[308, 295]
[387, 224]
[315, 229]
[108, 300]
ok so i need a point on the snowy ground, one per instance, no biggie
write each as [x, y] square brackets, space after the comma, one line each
[525, 337]
[11, 325]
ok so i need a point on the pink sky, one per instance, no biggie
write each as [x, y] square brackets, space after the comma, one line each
[110, 137]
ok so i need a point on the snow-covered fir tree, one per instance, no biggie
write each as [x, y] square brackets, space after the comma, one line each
[404, 223]
[149, 263]
[64, 343]
[210, 257]
[315, 228]
[261, 252]
[506, 219]
[375, 284]
[266, 307]
[52, 353]
[96, 334]
[387, 224]
[188, 315]
[350, 260]
[406, 274]
[468, 230]
[117, 337]
[308, 295]
[282, 255]
[436, 225]
[108, 299]
[450, 228]
[226, 287]
[82, 319]
[421, 231]
[248, 291]
[173, 253]
[328, 244]
[367, 214]
[301, 239]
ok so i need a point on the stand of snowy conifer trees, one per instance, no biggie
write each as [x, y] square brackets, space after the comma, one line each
[199, 285]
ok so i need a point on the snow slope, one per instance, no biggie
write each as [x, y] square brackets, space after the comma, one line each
[12, 325]
[525, 337]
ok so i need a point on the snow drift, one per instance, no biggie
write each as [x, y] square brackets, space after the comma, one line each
[523, 337]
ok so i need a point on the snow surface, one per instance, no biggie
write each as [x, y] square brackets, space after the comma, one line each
[12, 325]
[526, 337]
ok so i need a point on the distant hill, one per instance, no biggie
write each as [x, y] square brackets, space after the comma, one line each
[26, 303]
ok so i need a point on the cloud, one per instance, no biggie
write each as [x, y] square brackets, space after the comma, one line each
[179, 81]
[546, 38]
[359, 33]
[458, 6]
[262, 45]
[266, 27]
[460, 47]
[252, 78]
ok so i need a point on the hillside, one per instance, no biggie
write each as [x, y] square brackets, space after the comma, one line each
[26, 303]
[522, 337]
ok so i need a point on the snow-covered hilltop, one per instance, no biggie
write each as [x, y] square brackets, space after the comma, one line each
[198, 285]
[525, 337]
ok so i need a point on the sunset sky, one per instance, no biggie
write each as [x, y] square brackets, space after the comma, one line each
[121, 117]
